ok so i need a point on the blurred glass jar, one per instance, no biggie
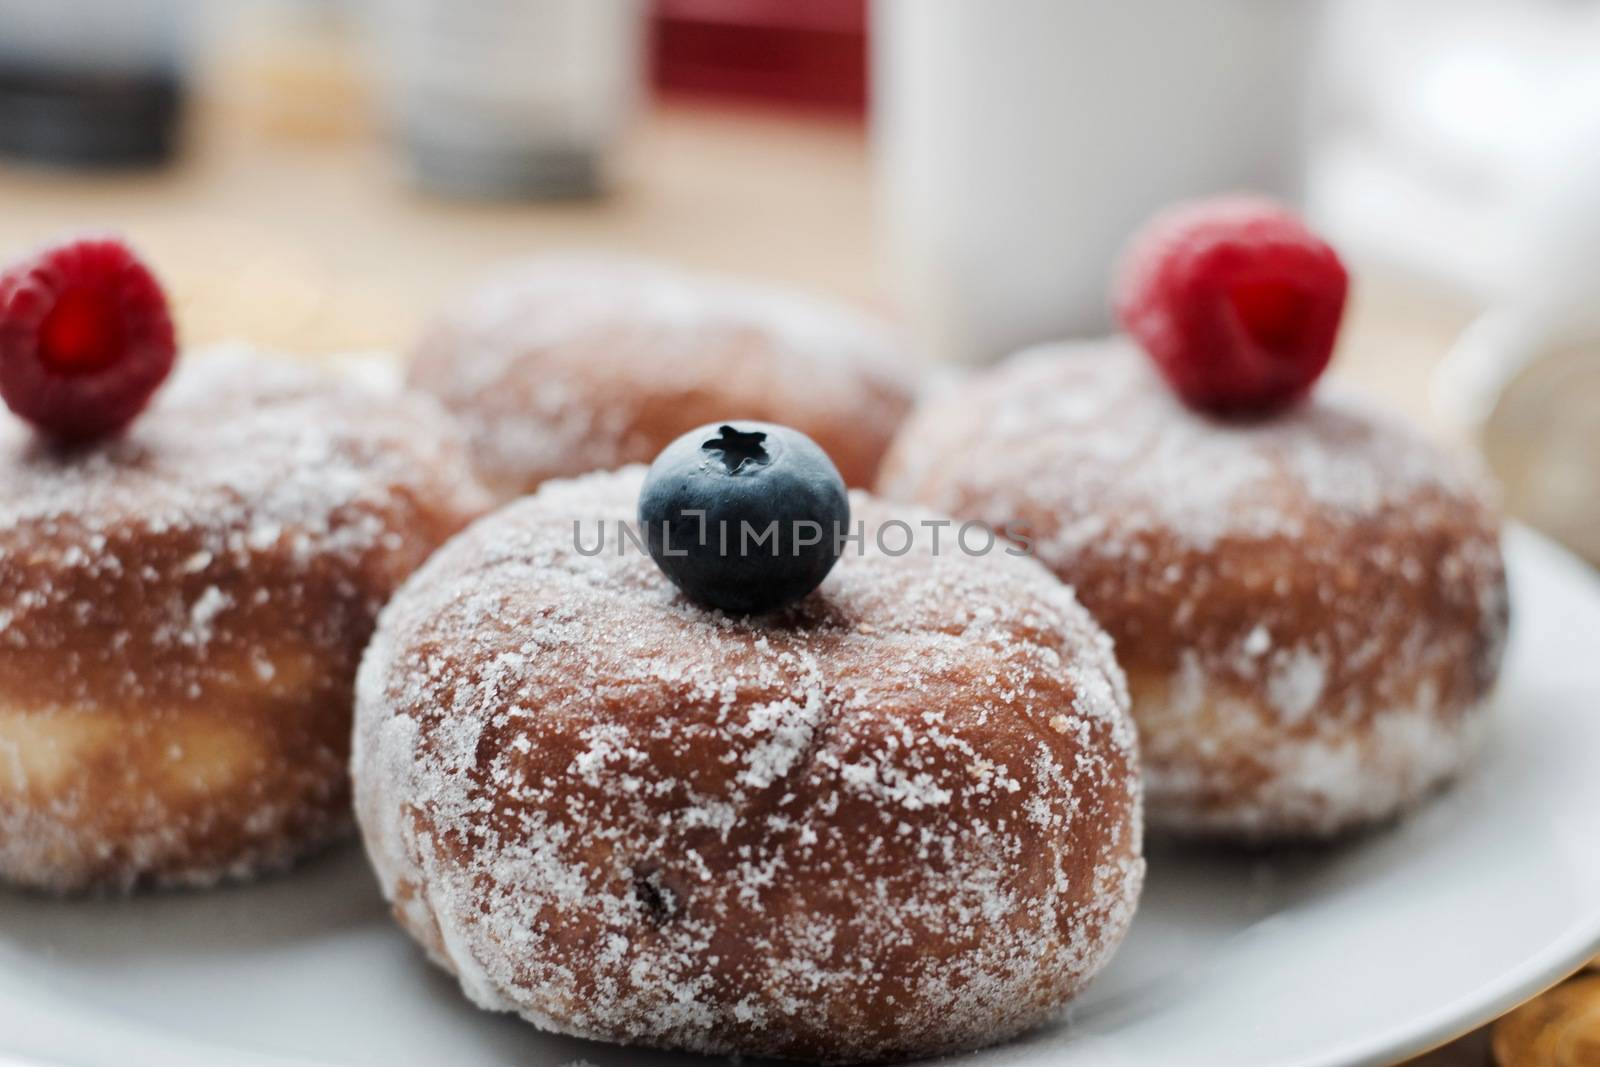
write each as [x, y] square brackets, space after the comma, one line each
[1526, 387]
[510, 97]
[1019, 142]
[91, 83]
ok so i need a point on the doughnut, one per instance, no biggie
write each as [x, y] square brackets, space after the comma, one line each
[898, 817]
[182, 610]
[565, 365]
[1310, 608]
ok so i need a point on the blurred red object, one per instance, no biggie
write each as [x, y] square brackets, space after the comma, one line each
[812, 52]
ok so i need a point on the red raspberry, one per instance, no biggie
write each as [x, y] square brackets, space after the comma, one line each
[85, 338]
[1235, 299]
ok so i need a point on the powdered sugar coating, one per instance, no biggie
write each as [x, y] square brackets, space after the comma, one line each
[569, 364]
[181, 612]
[900, 817]
[1311, 608]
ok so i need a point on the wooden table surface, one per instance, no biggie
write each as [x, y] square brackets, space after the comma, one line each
[318, 244]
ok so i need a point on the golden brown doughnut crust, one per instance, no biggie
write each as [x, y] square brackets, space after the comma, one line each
[183, 609]
[1311, 609]
[566, 365]
[898, 818]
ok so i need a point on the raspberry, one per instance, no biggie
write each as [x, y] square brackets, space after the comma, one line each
[85, 338]
[1236, 300]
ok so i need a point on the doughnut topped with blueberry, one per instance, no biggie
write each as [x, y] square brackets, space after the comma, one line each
[893, 815]
[1308, 598]
[569, 364]
[185, 591]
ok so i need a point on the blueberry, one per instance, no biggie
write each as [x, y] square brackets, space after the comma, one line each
[744, 516]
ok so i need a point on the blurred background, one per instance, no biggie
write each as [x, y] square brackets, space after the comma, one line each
[321, 175]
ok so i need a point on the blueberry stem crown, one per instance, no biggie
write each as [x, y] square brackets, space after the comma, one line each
[736, 449]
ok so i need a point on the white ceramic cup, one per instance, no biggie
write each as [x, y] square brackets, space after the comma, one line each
[1019, 142]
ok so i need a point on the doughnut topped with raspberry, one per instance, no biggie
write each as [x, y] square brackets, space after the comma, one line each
[1308, 599]
[182, 607]
[565, 365]
[896, 817]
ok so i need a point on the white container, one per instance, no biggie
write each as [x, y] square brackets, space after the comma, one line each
[511, 97]
[1020, 141]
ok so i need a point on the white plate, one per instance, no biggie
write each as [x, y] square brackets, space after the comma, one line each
[1361, 954]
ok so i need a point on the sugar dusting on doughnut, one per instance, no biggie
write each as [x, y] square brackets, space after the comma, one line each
[898, 818]
[574, 363]
[1311, 607]
[181, 611]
